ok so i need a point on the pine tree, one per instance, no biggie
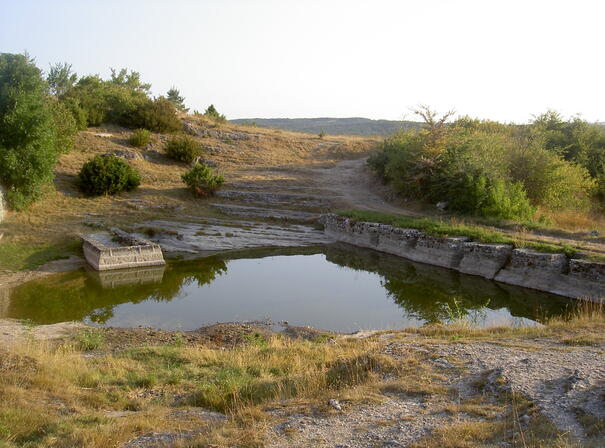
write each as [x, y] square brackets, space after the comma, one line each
[174, 96]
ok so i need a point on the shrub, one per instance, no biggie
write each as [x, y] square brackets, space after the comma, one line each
[65, 125]
[157, 115]
[28, 137]
[140, 138]
[487, 168]
[202, 180]
[183, 148]
[214, 114]
[107, 175]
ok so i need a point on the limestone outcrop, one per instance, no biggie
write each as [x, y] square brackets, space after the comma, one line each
[553, 273]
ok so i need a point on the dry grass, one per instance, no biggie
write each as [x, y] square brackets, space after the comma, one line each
[55, 397]
[54, 222]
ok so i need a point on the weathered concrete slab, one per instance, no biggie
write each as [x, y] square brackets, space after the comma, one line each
[130, 252]
[484, 259]
[532, 269]
[553, 273]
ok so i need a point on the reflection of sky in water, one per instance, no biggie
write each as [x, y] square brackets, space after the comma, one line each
[303, 290]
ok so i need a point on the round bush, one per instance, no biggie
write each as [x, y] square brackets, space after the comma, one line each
[202, 180]
[140, 138]
[107, 175]
[183, 148]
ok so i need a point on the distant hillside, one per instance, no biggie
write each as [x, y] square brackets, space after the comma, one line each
[332, 126]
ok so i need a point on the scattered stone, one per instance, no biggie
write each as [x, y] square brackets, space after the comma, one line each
[444, 363]
[442, 205]
[594, 233]
[335, 404]
[204, 161]
[525, 419]
[127, 154]
[103, 134]
[140, 204]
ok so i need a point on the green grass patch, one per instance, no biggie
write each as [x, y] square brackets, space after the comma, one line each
[22, 257]
[444, 228]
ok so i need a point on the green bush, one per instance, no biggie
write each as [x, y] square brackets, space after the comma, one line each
[140, 138]
[157, 115]
[28, 136]
[214, 114]
[202, 181]
[107, 175]
[183, 148]
[65, 125]
[490, 169]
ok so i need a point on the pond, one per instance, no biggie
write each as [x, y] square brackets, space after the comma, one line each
[335, 287]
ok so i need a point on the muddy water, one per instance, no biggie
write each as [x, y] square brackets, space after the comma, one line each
[336, 288]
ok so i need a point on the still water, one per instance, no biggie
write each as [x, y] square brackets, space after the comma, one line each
[332, 288]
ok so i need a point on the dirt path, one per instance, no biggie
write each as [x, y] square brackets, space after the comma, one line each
[352, 183]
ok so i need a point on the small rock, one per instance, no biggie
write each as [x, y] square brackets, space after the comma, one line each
[125, 154]
[525, 419]
[335, 404]
[103, 134]
[204, 161]
[594, 233]
[442, 205]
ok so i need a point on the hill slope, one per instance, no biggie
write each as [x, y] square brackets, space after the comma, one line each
[332, 126]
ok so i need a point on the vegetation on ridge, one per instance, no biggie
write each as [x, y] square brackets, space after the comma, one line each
[485, 168]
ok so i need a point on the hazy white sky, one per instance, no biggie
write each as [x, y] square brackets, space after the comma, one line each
[503, 60]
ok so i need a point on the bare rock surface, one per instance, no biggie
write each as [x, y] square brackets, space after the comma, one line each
[558, 379]
[267, 213]
[276, 199]
[396, 422]
[217, 235]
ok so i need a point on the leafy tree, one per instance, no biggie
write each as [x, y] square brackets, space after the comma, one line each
[28, 138]
[174, 96]
[65, 125]
[130, 80]
[60, 79]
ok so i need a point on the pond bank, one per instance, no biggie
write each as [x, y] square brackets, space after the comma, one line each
[553, 273]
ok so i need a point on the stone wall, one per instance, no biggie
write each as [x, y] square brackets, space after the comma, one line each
[553, 273]
[103, 258]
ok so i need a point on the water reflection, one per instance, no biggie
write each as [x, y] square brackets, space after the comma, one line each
[335, 287]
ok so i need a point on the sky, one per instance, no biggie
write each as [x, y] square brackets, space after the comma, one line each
[505, 60]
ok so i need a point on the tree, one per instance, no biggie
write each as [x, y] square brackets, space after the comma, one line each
[60, 79]
[174, 96]
[130, 80]
[28, 137]
[213, 114]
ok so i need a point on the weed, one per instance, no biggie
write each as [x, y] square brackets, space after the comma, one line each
[90, 339]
